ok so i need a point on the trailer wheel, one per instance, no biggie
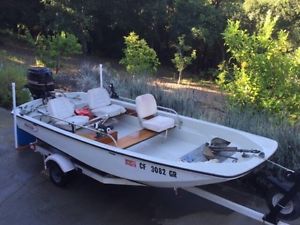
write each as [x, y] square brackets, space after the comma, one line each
[57, 176]
[292, 209]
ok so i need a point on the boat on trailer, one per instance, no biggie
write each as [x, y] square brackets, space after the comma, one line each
[124, 142]
[140, 141]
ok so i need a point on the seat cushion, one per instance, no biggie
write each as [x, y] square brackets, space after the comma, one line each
[98, 97]
[60, 108]
[110, 110]
[159, 123]
[145, 105]
[77, 120]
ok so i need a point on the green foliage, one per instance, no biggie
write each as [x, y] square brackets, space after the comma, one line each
[181, 60]
[207, 20]
[263, 71]
[53, 48]
[16, 12]
[11, 73]
[287, 12]
[69, 16]
[100, 25]
[139, 58]
[24, 34]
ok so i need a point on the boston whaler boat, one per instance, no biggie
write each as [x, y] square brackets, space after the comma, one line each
[140, 141]
[120, 141]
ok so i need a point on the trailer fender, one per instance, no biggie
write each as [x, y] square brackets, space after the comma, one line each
[64, 163]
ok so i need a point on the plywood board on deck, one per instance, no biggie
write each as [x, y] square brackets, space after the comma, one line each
[103, 139]
[135, 138]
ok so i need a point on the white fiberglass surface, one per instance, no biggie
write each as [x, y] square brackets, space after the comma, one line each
[125, 125]
[164, 147]
[171, 146]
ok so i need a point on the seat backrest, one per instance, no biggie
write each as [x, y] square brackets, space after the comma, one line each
[60, 108]
[98, 97]
[145, 105]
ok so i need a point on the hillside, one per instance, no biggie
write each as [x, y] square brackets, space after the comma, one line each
[205, 93]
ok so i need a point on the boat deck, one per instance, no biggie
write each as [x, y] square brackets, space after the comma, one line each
[135, 138]
[129, 135]
[124, 142]
[165, 148]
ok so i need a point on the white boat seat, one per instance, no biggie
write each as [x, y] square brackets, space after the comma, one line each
[100, 103]
[146, 107]
[62, 109]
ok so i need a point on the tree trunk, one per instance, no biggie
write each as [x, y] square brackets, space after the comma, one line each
[57, 65]
[179, 77]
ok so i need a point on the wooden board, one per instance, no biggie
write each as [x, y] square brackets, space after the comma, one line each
[123, 142]
[102, 139]
[135, 138]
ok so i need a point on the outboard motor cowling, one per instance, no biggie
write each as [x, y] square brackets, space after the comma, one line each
[40, 82]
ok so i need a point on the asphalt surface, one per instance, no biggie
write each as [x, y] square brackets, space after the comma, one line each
[27, 197]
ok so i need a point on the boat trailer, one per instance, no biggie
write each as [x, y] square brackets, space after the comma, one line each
[282, 204]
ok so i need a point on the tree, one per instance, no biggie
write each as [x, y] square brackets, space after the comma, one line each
[53, 48]
[287, 12]
[181, 60]
[72, 16]
[207, 21]
[263, 70]
[16, 12]
[139, 58]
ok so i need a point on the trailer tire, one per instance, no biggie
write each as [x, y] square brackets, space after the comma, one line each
[57, 176]
[291, 210]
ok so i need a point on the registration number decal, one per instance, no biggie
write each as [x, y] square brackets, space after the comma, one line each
[155, 169]
[158, 170]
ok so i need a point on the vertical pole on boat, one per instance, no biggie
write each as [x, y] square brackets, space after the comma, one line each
[101, 77]
[13, 87]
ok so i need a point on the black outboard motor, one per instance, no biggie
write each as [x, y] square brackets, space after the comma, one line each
[40, 82]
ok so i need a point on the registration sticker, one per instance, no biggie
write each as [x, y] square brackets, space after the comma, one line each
[130, 162]
[31, 126]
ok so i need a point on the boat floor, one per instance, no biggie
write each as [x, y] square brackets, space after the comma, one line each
[131, 136]
[135, 138]
[165, 147]
[124, 142]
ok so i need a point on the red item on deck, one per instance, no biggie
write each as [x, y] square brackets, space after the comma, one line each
[84, 112]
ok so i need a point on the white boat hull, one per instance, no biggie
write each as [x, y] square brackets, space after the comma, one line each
[157, 161]
[120, 165]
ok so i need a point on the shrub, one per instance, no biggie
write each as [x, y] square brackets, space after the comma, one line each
[8, 74]
[263, 71]
[181, 59]
[52, 49]
[139, 58]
